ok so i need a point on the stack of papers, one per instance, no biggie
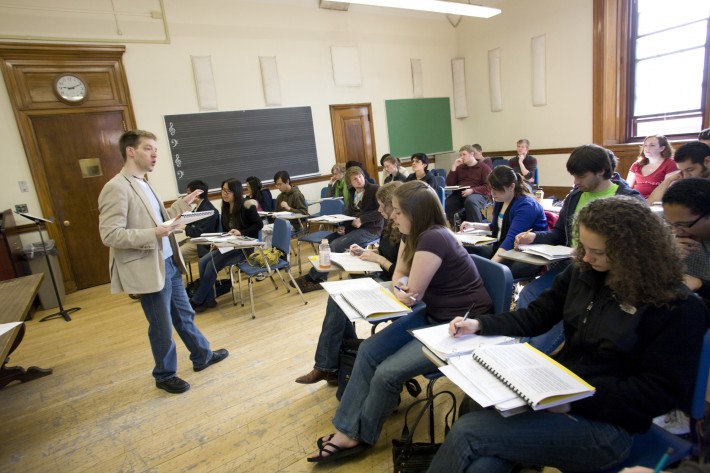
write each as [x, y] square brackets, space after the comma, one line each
[352, 263]
[549, 252]
[437, 339]
[473, 239]
[276, 214]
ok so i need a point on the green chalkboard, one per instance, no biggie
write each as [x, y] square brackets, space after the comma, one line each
[419, 126]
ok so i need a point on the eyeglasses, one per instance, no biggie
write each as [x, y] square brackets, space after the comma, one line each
[684, 225]
[227, 191]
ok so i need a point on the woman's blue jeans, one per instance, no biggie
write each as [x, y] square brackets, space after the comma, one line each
[486, 442]
[384, 362]
[209, 265]
[336, 328]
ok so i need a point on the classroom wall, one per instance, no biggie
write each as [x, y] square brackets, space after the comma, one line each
[236, 32]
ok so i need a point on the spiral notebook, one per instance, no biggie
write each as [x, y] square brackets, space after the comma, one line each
[535, 377]
[188, 217]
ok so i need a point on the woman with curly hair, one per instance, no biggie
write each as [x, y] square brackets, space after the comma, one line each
[632, 330]
[336, 326]
[652, 165]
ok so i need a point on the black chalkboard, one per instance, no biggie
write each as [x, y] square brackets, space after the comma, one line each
[215, 146]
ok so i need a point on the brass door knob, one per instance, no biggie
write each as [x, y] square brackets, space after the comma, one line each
[67, 223]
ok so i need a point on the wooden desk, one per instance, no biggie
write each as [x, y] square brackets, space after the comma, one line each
[16, 297]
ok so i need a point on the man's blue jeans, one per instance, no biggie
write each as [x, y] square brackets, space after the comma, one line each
[336, 328]
[209, 265]
[486, 442]
[384, 362]
[170, 308]
[340, 244]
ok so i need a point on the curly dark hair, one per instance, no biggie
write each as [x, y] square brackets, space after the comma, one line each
[640, 249]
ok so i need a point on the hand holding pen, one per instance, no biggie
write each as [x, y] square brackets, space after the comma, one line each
[465, 316]
[409, 299]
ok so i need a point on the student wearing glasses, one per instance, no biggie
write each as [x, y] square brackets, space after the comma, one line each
[238, 218]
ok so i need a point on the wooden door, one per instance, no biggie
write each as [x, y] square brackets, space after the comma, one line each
[353, 136]
[71, 145]
[79, 154]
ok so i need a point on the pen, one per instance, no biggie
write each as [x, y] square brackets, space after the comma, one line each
[402, 290]
[663, 461]
[465, 316]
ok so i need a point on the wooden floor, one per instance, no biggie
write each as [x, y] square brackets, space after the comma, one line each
[101, 412]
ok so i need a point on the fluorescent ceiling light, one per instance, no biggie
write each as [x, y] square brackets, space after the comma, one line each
[437, 6]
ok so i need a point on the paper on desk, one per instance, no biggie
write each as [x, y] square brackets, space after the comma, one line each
[338, 287]
[4, 328]
[353, 263]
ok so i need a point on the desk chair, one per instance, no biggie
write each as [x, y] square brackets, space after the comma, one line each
[282, 241]
[324, 192]
[498, 161]
[439, 172]
[647, 448]
[327, 207]
[498, 281]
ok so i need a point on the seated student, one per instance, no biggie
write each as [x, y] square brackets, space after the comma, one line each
[466, 170]
[590, 167]
[523, 163]
[686, 207]
[652, 165]
[392, 168]
[515, 211]
[260, 195]
[202, 203]
[431, 267]
[350, 164]
[704, 136]
[615, 176]
[692, 160]
[420, 171]
[238, 218]
[478, 154]
[622, 331]
[336, 325]
[337, 187]
[366, 227]
[290, 199]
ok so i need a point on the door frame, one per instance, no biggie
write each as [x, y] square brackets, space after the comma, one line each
[339, 152]
[30, 99]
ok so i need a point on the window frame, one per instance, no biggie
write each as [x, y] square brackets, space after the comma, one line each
[613, 75]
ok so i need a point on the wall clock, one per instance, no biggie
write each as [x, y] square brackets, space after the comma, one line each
[71, 88]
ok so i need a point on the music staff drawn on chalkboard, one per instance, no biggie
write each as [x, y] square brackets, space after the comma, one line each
[180, 174]
[178, 162]
[173, 142]
[171, 129]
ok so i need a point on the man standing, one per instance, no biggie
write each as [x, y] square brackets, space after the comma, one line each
[468, 171]
[144, 259]
[191, 251]
[692, 160]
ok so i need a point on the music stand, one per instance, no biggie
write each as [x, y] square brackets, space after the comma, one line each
[64, 313]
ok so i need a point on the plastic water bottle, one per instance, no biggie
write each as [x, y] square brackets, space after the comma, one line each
[324, 254]
[539, 194]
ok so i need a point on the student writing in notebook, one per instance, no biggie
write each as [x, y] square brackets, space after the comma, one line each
[636, 339]
[431, 267]
[336, 325]
[515, 211]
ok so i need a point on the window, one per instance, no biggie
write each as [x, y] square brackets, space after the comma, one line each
[666, 82]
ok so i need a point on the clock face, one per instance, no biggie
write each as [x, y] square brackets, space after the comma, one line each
[70, 88]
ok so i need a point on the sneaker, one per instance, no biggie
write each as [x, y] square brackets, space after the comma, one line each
[217, 356]
[675, 422]
[173, 385]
